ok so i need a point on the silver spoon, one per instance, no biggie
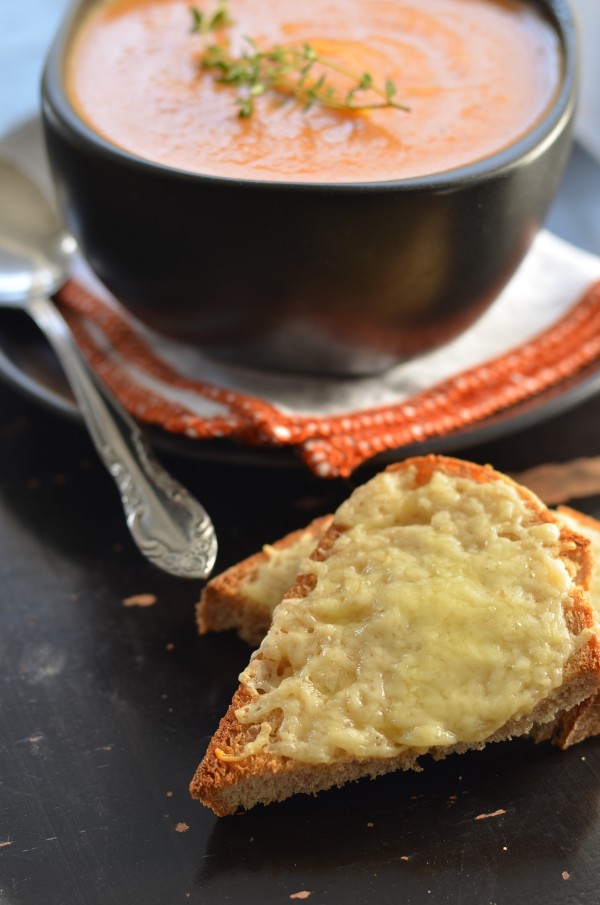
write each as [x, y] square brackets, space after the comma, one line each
[169, 526]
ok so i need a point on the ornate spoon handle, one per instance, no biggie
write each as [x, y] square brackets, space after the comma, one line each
[169, 526]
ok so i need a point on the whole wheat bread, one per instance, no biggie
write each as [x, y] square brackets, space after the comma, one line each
[226, 785]
[226, 604]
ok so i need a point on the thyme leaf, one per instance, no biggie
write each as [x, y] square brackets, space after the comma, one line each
[286, 70]
[202, 23]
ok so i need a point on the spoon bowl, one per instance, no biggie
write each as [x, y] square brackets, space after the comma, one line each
[168, 525]
[35, 250]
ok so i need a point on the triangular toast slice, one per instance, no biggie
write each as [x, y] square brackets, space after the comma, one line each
[445, 607]
[245, 596]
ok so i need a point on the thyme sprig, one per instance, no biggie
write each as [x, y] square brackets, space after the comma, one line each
[292, 71]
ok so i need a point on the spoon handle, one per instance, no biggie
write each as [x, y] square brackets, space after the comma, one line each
[168, 525]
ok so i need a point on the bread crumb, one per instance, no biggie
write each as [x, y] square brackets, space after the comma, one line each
[140, 600]
[405, 857]
[492, 814]
[181, 828]
[583, 759]
[307, 502]
[370, 825]
[504, 848]
[559, 483]
[170, 646]
[35, 738]
[2, 844]
[303, 894]
[566, 875]
[169, 794]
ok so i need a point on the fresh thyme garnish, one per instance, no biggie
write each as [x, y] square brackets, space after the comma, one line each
[291, 71]
[202, 24]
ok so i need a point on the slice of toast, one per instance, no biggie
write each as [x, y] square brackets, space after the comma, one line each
[244, 597]
[583, 720]
[255, 756]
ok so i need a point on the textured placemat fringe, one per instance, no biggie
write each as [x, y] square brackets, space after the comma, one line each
[335, 445]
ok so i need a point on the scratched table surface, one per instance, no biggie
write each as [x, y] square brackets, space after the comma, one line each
[106, 709]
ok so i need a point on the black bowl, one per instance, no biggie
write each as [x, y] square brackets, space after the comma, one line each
[344, 278]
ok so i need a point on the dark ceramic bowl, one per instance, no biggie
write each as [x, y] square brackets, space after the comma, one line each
[317, 278]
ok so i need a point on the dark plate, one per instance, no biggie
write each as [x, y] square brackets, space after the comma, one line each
[27, 362]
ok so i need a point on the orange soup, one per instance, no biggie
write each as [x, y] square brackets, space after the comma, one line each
[475, 74]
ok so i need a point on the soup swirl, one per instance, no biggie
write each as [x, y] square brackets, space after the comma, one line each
[476, 75]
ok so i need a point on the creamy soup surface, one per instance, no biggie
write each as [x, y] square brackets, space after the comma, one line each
[476, 75]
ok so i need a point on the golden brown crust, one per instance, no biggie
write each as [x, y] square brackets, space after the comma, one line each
[226, 785]
[582, 721]
[224, 605]
[571, 726]
[586, 520]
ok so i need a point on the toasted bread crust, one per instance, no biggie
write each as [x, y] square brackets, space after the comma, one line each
[226, 785]
[582, 721]
[583, 519]
[224, 604]
[571, 726]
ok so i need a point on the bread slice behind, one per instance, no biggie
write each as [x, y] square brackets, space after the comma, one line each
[243, 598]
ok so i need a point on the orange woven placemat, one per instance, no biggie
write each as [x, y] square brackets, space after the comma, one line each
[331, 446]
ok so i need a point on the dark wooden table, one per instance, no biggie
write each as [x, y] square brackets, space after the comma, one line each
[106, 709]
